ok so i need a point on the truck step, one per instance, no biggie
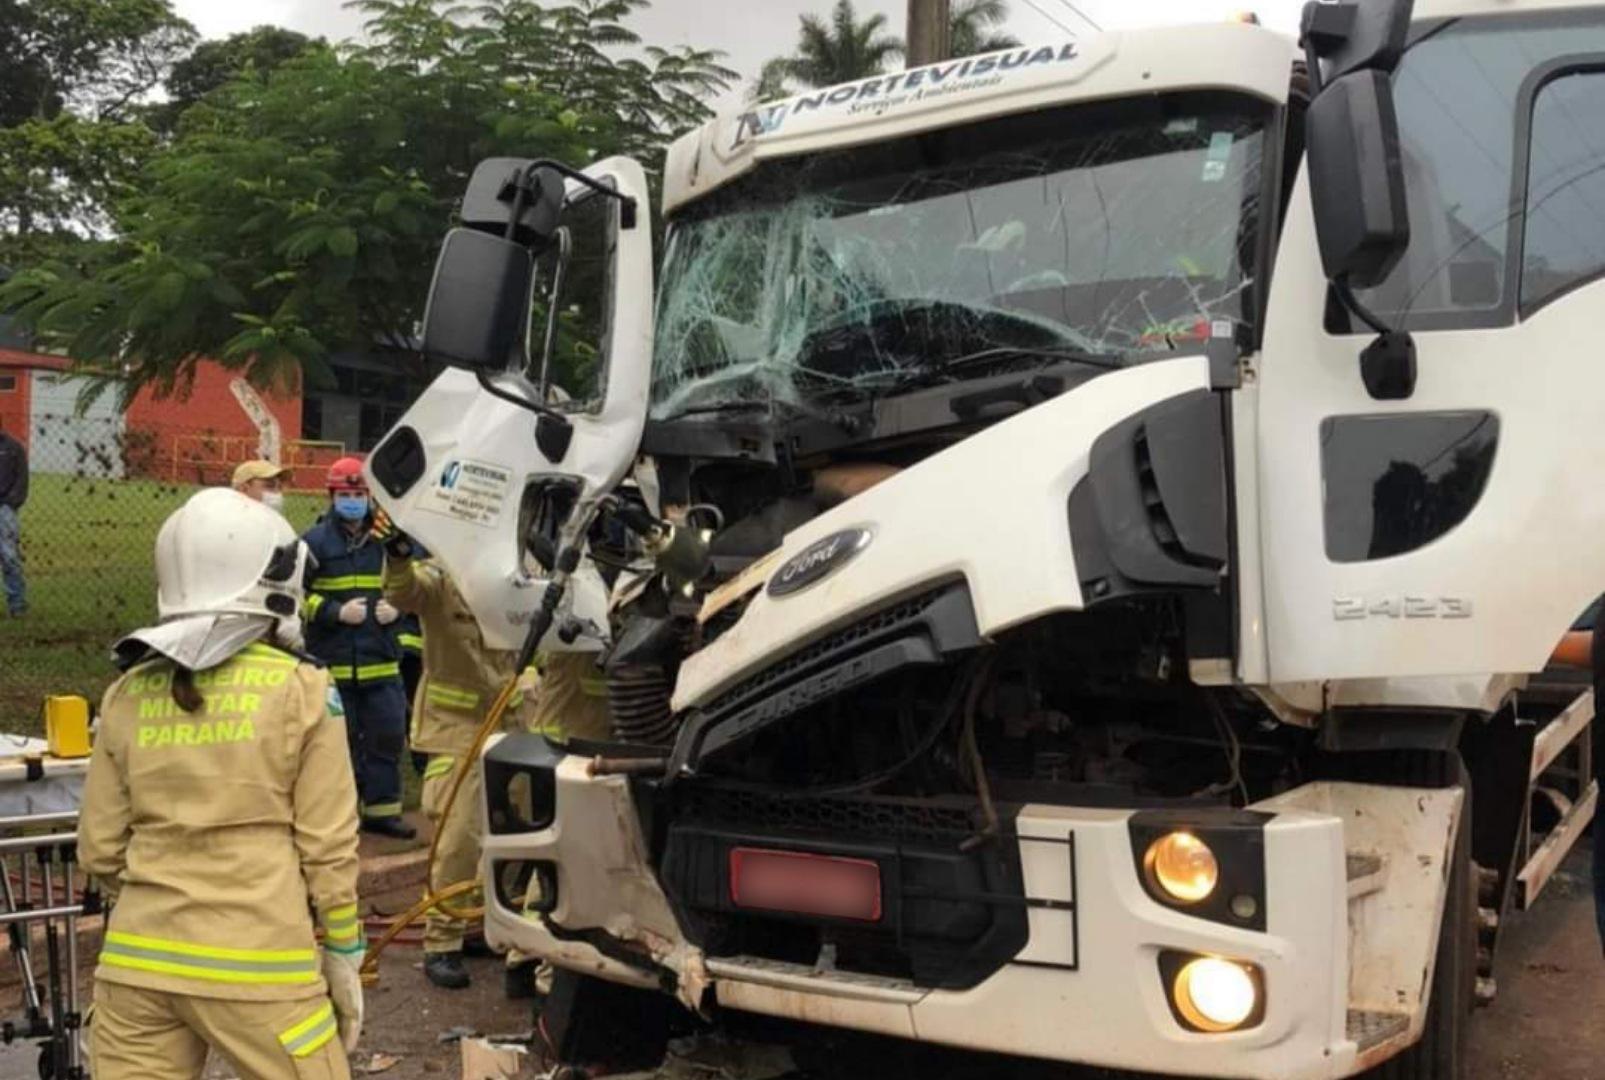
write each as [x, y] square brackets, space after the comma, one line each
[1364, 873]
[1366, 1029]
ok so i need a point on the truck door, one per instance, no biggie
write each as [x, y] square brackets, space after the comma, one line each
[1458, 530]
[531, 436]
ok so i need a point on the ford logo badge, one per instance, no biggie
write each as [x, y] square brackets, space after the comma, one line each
[818, 561]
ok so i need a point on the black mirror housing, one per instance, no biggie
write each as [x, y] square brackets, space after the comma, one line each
[492, 193]
[1357, 178]
[1356, 35]
[478, 305]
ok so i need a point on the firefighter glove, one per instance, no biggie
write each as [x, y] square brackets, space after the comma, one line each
[397, 544]
[343, 972]
[354, 612]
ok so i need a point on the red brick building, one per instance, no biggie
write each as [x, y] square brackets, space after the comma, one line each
[194, 437]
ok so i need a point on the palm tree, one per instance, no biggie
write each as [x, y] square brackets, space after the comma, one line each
[846, 49]
[837, 51]
[974, 27]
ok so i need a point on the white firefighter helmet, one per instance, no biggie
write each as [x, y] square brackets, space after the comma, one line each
[224, 553]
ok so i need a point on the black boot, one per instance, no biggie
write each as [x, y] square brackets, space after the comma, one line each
[518, 981]
[394, 827]
[445, 970]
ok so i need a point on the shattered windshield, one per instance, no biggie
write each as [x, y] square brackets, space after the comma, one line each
[1109, 234]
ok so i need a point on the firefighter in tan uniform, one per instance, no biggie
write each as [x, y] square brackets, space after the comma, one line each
[460, 680]
[220, 817]
[565, 697]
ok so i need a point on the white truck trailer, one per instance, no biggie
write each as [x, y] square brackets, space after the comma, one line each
[1098, 508]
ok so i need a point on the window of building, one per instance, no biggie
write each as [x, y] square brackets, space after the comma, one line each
[8, 384]
[1565, 240]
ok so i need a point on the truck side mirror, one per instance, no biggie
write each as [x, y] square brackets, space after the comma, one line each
[478, 305]
[1357, 178]
[501, 187]
[1357, 182]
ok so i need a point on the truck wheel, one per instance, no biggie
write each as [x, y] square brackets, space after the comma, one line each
[1441, 1053]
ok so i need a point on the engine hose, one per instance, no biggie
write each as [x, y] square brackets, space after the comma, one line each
[370, 962]
[544, 616]
[439, 900]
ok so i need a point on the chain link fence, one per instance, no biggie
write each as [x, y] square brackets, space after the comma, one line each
[99, 488]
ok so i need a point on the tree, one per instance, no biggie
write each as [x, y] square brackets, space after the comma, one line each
[256, 52]
[846, 49]
[976, 27]
[96, 57]
[837, 51]
[299, 213]
[73, 78]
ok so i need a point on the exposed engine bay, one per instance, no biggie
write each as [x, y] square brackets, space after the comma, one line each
[904, 735]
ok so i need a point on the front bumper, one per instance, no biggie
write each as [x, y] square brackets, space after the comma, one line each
[1085, 988]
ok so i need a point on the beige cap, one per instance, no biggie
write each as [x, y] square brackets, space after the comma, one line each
[247, 471]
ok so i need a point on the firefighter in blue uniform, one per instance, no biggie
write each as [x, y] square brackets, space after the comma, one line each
[355, 632]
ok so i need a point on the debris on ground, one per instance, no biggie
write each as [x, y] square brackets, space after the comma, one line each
[380, 1063]
[485, 1060]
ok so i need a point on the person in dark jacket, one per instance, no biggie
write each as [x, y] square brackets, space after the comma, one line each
[353, 630]
[13, 493]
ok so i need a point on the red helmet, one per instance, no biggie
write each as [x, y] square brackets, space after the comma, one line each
[346, 475]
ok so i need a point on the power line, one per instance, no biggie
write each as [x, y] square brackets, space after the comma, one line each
[1032, 5]
[1083, 15]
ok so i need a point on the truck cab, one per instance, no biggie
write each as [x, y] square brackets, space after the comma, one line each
[1131, 483]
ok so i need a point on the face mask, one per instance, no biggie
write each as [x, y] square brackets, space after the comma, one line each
[273, 500]
[351, 507]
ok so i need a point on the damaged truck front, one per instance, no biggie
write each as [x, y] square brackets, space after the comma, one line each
[1035, 626]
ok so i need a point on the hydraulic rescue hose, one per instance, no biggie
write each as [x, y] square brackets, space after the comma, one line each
[439, 900]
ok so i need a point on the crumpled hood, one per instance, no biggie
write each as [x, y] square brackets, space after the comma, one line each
[991, 510]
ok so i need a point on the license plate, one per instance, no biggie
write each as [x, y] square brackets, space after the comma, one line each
[804, 884]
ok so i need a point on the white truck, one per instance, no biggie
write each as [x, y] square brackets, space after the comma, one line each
[1097, 510]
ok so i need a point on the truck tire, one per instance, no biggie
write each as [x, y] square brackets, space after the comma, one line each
[1441, 1053]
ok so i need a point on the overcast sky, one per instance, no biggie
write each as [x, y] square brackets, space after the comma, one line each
[751, 31]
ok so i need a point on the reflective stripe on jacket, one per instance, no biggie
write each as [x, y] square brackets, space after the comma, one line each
[348, 567]
[214, 831]
[461, 676]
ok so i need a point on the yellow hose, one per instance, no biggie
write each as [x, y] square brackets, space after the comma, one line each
[437, 900]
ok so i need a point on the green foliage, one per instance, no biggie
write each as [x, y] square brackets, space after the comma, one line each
[73, 75]
[835, 51]
[975, 26]
[96, 57]
[300, 213]
[845, 49]
[213, 64]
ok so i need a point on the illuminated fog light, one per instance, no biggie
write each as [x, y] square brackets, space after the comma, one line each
[1182, 866]
[1214, 995]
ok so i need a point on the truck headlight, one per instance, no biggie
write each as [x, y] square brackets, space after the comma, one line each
[1207, 862]
[1182, 865]
[1212, 994]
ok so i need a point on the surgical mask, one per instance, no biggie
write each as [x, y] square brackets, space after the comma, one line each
[351, 507]
[273, 500]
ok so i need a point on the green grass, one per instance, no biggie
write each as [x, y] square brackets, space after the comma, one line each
[89, 555]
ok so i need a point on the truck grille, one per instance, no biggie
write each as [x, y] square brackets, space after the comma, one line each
[900, 819]
[951, 915]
